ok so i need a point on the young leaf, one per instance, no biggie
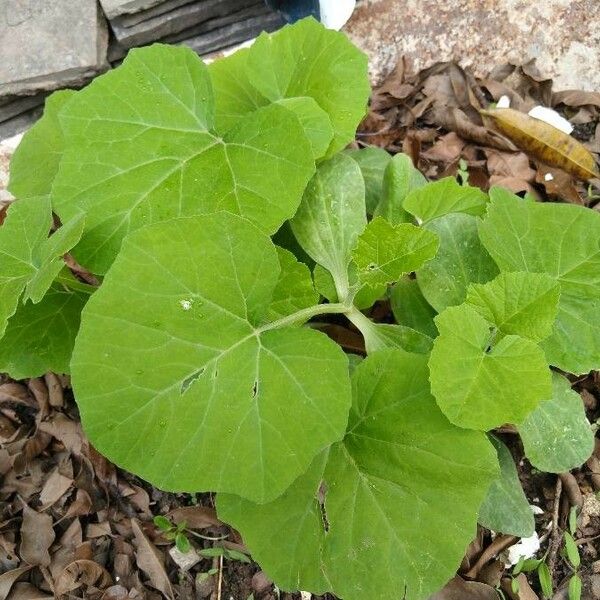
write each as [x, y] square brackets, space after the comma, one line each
[400, 179]
[506, 508]
[140, 148]
[42, 147]
[40, 337]
[385, 252]
[294, 290]
[522, 304]
[379, 336]
[331, 216]
[575, 587]
[372, 162]
[355, 511]
[182, 543]
[30, 260]
[557, 436]
[304, 59]
[545, 579]
[571, 550]
[170, 368]
[410, 307]
[481, 384]
[560, 240]
[440, 198]
[460, 261]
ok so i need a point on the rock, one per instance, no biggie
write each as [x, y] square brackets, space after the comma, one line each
[177, 20]
[46, 44]
[131, 19]
[11, 106]
[114, 8]
[562, 35]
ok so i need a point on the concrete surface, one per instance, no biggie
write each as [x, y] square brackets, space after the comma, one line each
[563, 35]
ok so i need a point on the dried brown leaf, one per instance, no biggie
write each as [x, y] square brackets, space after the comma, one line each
[447, 149]
[524, 589]
[558, 184]
[37, 536]
[150, 561]
[196, 517]
[27, 591]
[82, 505]
[15, 392]
[54, 489]
[576, 98]
[459, 589]
[68, 432]
[82, 573]
[8, 579]
[544, 142]
[55, 390]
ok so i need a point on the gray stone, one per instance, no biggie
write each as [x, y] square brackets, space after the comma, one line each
[562, 35]
[235, 33]
[176, 20]
[45, 44]
[114, 8]
[19, 104]
[129, 20]
[20, 123]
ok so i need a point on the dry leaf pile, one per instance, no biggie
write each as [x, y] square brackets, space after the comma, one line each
[72, 525]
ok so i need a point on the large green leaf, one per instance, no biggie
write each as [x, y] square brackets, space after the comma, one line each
[331, 216]
[410, 307]
[523, 304]
[460, 261]
[506, 508]
[374, 499]
[304, 59]
[443, 197]
[561, 240]
[557, 435]
[40, 337]
[294, 290]
[140, 148]
[480, 383]
[400, 179]
[384, 252]
[177, 383]
[29, 259]
[372, 162]
[34, 164]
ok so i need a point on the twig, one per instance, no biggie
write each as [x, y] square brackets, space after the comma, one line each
[220, 584]
[501, 543]
[555, 536]
[571, 488]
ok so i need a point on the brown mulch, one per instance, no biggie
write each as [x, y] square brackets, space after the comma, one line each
[72, 525]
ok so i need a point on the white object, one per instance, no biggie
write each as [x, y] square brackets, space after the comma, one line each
[525, 548]
[305, 595]
[335, 13]
[548, 177]
[536, 510]
[551, 117]
[184, 560]
[503, 102]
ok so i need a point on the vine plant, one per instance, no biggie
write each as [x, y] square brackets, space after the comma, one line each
[199, 362]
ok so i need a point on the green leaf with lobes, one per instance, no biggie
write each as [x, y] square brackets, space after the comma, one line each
[384, 252]
[410, 307]
[480, 383]
[173, 365]
[29, 259]
[372, 162]
[140, 147]
[374, 497]
[562, 241]
[303, 59]
[460, 261]
[506, 508]
[557, 436]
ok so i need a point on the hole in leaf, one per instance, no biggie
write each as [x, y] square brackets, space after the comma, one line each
[371, 267]
[321, 493]
[255, 389]
[187, 382]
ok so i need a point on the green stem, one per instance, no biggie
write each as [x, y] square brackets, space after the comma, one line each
[74, 284]
[360, 321]
[305, 314]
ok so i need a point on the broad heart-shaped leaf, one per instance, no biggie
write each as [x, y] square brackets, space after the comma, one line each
[523, 304]
[304, 59]
[481, 384]
[176, 382]
[443, 197]
[561, 240]
[460, 261]
[400, 179]
[29, 259]
[34, 164]
[384, 252]
[557, 436]
[40, 337]
[410, 307]
[506, 508]
[294, 290]
[140, 148]
[374, 499]
[372, 162]
[331, 216]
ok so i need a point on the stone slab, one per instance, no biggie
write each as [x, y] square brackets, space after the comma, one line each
[114, 8]
[45, 44]
[19, 105]
[235, 33]
[562, 35]
[129, 20]
[176, 20]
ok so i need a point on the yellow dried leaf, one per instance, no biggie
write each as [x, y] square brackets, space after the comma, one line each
[544, 142]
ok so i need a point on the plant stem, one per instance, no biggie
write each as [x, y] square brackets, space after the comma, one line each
[305, 314]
